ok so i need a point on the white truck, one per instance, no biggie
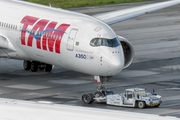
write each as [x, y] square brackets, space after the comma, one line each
[135, 97]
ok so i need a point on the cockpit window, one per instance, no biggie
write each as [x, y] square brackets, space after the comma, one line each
[93, 42]
[105, 42]
[99, 42]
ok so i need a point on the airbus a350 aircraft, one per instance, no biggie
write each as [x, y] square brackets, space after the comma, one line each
[43, 36]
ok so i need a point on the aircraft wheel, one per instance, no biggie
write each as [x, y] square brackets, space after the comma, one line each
[141, 104]
[48, 68]
[27, 65]
[88, 98]
[34, 66]
[41, 68]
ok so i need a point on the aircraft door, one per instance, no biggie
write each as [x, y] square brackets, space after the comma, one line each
[71, 39]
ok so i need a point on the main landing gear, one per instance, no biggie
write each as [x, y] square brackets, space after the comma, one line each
[88, 98]
[34, 66]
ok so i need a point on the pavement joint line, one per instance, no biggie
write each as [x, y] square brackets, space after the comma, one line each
[147, 25]
[170, 105]
[167, 112]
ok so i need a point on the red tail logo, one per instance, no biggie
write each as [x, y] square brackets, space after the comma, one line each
[45, 33]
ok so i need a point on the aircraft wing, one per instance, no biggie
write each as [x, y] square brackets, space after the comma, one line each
[5, 44]
[120, 15]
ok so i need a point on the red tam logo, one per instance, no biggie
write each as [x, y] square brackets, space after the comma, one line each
[44, 32]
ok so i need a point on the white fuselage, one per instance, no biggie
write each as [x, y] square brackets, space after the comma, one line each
[59, 37]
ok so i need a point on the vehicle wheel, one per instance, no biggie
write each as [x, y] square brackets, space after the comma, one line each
[48, 68]
[27, 65]
[34, 66]
[141, 104]
[98, 94]
[88, 98]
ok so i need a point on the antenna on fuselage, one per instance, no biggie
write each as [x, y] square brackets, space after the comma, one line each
[49, 4]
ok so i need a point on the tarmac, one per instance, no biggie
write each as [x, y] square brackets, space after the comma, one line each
[156, 41]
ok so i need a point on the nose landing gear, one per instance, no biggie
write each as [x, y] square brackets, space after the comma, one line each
[89, 98]
[101, 90]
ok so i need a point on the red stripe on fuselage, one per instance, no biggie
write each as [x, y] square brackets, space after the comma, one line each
[62, 27]
[27, 20]
[53, 37]
[41, 25]
[46, 37]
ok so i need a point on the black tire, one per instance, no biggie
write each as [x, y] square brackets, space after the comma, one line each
[88, 98]
[34, 66]
[141, 104]
[48, 68]
[98, 94]
[27, 65]
[42, 68]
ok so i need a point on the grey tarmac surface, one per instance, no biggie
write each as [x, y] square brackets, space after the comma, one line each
[156, 41]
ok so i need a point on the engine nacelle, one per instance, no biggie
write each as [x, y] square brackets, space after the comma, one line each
[128, 51]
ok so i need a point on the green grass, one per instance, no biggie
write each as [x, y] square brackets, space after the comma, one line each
[81, 3]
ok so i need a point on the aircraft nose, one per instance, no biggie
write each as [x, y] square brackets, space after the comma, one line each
[117, 62]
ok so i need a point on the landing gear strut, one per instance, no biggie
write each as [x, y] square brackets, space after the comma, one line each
[34, 66]
[101, 90]
[48, 68]
[88, 98]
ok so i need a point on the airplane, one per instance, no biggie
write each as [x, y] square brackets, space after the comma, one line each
[44, 36]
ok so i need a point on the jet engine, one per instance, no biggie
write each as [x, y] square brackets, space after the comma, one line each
[128, 51]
